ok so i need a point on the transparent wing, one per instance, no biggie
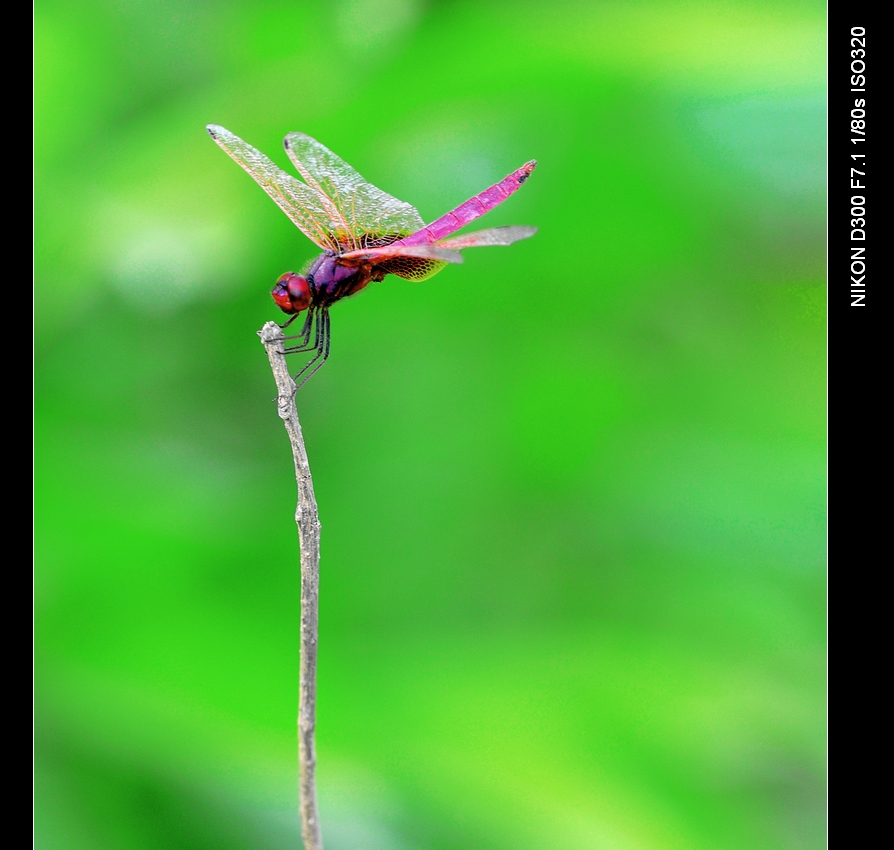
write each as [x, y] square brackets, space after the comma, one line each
[315, 216]
[410, 268]
[388, 252]
[419, 262]
[367, 216]
[492, 236]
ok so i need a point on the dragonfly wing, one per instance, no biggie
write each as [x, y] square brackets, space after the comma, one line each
[411, 262]
[387, 252]
[418, 262]
[312, 213]
[492, 236]
[367, 215]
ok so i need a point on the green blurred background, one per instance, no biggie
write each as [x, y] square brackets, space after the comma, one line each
[572, 492]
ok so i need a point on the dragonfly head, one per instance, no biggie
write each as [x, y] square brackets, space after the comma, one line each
[292, 293]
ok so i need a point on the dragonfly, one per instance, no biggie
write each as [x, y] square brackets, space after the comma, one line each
[364, 233]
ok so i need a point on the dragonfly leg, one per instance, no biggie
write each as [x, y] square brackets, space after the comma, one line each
[289, 321]
[304, 333]
[322, 351]
[304, 336]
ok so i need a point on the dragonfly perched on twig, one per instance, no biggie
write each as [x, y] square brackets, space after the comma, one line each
[364, 232]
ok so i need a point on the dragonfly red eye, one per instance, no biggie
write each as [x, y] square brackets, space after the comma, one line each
[291, 293]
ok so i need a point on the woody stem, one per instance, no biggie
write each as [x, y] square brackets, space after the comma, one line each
[309, 539]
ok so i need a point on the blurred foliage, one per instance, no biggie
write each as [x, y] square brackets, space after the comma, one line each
[572, 492]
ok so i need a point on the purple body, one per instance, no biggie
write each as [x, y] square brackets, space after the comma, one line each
[471, 209]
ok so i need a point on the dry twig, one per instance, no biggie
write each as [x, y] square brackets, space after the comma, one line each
[309, 538]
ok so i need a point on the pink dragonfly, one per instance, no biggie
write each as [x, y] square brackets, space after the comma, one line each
[364, 233]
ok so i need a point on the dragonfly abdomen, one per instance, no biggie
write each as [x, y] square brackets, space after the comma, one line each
[474, 208]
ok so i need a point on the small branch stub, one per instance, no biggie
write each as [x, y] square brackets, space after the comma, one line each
[309, 538]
